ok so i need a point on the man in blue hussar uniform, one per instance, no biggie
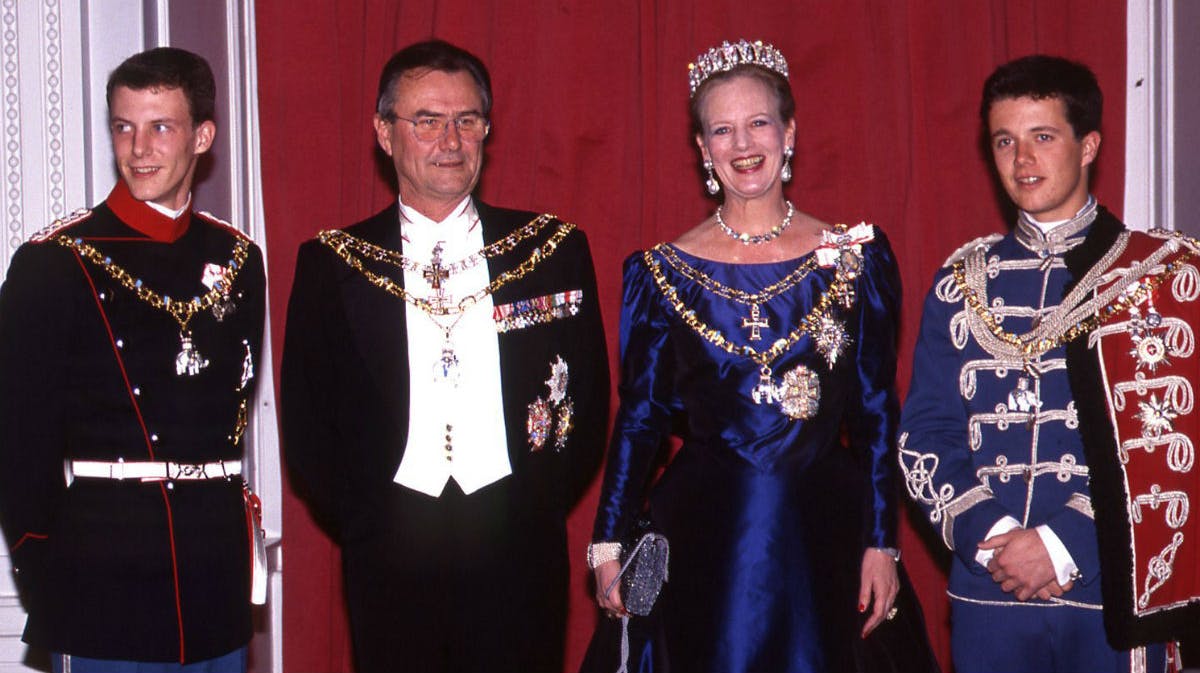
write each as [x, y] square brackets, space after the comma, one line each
[128, 338]
[992, 435]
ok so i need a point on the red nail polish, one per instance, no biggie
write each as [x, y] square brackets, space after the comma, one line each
[862, 608]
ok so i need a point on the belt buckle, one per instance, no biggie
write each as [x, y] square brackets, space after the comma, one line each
[188, 471]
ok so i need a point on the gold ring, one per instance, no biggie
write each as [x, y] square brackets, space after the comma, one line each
[892, 613]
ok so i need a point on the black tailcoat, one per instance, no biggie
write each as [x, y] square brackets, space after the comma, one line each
[422, 572]
[146, 571]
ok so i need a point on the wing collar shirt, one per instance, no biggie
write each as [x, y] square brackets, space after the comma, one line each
[456, 413]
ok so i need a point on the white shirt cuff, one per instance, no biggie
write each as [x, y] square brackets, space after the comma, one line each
[1064, 566]
[1005, 524]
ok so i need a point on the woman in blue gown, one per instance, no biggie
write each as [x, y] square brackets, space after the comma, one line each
[765, 339]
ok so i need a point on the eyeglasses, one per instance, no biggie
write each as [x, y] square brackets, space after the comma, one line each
[471, 127]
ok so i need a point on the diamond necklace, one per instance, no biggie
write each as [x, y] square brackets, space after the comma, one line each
[756, 239]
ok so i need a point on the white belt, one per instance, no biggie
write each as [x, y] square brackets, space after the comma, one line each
[149, 470]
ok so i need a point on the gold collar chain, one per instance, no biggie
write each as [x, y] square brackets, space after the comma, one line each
[813, 324]
[742, 297]
[1074, 316]
[345, 245]
[380, 254]
[189, 361]
[181, 311]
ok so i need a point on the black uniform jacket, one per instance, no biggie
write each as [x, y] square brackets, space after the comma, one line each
[149, 571]
[345, 379]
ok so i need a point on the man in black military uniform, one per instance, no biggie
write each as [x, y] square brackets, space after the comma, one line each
[128, 339]
[445, 393]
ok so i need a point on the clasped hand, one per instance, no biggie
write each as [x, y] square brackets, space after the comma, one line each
[1021, 565]
[609, 601]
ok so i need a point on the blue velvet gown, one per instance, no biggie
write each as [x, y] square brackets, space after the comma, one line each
[767, 516]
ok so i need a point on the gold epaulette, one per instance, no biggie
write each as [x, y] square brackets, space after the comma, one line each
[981, 243]
[49, 231]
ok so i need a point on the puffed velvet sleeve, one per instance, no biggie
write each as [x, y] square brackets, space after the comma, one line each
[646, 402]
[875, 410]
[934, 451]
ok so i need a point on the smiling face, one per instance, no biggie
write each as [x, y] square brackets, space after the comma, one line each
[744, 137]
[156, 144]
[433, 175]
[1042, 165]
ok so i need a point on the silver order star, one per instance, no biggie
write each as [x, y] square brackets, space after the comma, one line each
[831, 339]
[1149, 351]
[559, 377]
[1156, 416]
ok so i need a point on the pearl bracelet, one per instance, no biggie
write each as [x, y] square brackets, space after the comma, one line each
[599, 553]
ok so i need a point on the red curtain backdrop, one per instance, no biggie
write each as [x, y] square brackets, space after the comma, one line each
[590, 123]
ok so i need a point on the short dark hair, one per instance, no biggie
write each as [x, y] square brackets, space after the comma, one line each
[170, 68]
[1039, 77]
[431, 55]
[774, 81]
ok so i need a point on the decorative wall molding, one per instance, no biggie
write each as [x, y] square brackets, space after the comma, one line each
[52, 88]
[10, 89]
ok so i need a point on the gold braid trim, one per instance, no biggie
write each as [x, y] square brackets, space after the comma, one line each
[345, 245]
[181, 311]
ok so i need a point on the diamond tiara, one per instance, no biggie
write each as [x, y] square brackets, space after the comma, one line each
[728, 56]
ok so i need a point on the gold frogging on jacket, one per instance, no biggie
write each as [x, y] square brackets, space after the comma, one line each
[552, 416]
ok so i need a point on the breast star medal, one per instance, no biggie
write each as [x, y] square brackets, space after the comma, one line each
[800, 393]
[554, 414]
[1150, 349]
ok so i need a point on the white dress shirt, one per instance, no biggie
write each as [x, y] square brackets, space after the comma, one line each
[173, 214]
[456, 415]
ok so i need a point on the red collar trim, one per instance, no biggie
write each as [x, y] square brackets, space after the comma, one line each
[145, 219]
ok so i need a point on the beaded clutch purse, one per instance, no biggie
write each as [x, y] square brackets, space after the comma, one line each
[643, 571]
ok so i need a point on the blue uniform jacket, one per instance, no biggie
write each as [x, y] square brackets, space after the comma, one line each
[984, 434]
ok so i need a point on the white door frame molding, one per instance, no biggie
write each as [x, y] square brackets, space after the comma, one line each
[1150, 115]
